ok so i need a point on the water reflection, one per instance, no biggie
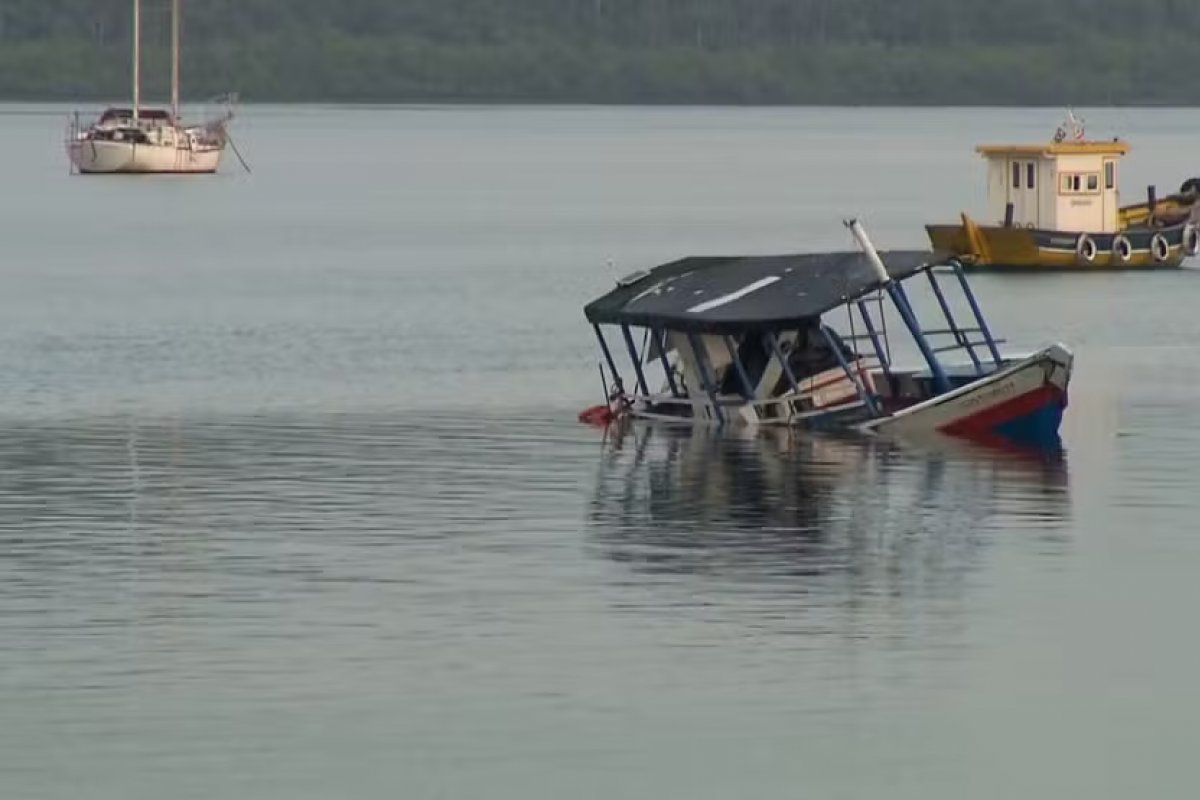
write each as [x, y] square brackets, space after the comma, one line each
[787, 511]
[318, 496]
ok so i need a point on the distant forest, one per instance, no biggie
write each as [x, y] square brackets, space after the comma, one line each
[618, 51]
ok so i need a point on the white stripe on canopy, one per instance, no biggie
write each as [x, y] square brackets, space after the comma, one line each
[717, 302]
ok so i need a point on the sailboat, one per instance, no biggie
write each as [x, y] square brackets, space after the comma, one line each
[149, 140]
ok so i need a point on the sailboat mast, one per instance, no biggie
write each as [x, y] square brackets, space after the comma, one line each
[175, 60]
[137, 58]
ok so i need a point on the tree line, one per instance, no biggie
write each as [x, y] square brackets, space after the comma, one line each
[653, 51]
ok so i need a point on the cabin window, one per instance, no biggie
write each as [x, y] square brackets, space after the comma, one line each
[1079, 183]
[1016, 175]
[1073, 183]
[1029, 170]
[1110, 174]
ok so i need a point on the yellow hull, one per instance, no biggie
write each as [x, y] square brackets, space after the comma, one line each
[1012, 248]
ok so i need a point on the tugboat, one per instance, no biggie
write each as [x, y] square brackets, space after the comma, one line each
[142, 140]
[1057, 206]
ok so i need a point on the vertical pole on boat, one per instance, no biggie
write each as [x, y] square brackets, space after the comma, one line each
[959, 336]
[612, 365]
[880, 353]
[137, 59]
[883, 334]
[773, 343]
[940, 382]
[701, 357]
[851, 373]
[660, 341]
[175, 22]
[73, 144]
[637, 361]
[603, 383]
[740, 368]
[957, 266]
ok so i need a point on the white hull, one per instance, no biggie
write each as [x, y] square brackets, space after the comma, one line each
[1029, 393]
[981, 405]
[110, 157]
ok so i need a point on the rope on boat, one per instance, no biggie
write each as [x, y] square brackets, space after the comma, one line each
[233, 146]
[603, 382]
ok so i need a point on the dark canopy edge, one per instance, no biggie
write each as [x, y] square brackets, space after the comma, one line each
[795, 290]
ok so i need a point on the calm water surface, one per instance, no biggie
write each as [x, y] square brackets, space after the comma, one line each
[293, 503]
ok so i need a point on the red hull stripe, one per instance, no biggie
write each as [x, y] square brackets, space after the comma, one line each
[989, 418]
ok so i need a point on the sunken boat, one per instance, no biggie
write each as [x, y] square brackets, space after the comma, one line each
[751, 340]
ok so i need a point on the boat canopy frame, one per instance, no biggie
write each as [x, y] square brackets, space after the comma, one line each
[666, 302]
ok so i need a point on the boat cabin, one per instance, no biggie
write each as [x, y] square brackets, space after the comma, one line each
[125, 116]
[1058, 186]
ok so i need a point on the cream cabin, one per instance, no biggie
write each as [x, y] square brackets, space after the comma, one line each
[1058, 186]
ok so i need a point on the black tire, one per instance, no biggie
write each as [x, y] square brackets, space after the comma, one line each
[1122, 250]
[1191, 240]
[1085, 249]
[1160, 250]
[1190, 186]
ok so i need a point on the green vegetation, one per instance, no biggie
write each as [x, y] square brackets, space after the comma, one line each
[638, 51]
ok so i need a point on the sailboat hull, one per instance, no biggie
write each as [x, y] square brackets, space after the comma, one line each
[108, 157]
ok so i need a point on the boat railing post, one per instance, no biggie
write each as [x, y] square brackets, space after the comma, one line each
[957, 266]
[604, 384]
[608, 357]
[880, 353]
[959, 336]
[743, 376]
[900, 300]
[637, 361]
[851, 372]
[883, 331]
[710, 388]
[660, 341]
[73, 143]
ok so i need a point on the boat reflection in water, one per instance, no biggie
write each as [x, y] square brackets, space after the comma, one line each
[778, 509]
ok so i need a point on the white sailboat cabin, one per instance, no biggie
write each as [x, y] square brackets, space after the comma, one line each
[1058, 186]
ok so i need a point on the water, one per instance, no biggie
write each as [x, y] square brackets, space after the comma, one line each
[294, 504]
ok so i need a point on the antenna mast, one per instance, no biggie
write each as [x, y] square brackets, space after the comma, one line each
[137, 59]
[175, 60]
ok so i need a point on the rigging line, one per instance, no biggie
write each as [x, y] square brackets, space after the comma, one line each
[229, 139]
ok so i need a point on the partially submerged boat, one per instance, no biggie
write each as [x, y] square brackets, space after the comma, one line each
[139, 140]
[1056, 205]
[747, 340]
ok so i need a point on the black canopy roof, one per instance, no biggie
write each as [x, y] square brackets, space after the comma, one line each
[715, 294]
